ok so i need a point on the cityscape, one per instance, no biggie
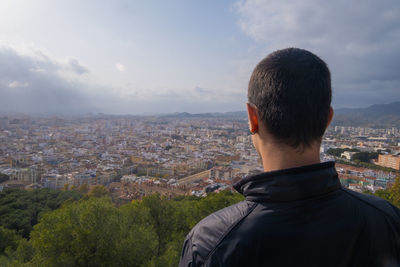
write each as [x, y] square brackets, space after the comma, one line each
[175, 154]
[131, 133]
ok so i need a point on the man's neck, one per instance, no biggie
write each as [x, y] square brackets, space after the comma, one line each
[277, 157]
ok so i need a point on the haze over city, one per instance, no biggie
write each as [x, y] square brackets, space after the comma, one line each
[135, 57]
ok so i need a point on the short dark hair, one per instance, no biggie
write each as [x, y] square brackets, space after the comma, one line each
[291, 89]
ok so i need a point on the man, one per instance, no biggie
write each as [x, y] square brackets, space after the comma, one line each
[296, 213]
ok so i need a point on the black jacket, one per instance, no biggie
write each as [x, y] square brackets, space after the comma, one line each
[297, 217]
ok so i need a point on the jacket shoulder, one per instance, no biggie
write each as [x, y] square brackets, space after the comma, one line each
[375, 205]
[210, 231]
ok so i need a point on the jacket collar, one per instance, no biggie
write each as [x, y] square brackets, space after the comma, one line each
[290, 184]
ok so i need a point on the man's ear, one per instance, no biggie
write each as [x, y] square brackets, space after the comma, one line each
[330, 116]
[253, 118]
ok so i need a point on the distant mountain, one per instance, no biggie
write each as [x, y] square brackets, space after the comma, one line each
[376, 116]
[227, 115]
[379, 115]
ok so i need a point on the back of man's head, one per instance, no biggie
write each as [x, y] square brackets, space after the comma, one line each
[291, 89]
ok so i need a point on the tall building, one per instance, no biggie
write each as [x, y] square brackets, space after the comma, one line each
[390, 161]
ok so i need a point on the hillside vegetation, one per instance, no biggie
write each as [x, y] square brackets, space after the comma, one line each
[90, 230]
[376, 116]
[93, 231]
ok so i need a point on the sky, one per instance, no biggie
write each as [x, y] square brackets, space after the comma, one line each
[146, 57]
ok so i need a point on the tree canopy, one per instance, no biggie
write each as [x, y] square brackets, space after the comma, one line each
[3, 177]
[92, 231]
[337, 152]
[95, 232]
[365, 156]
[21, 209]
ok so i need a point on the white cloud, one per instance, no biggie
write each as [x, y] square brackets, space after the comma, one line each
[120, 67]
[16, 84]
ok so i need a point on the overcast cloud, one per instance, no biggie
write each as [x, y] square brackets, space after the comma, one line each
[33, 82]
[359, 40]
[132, 57]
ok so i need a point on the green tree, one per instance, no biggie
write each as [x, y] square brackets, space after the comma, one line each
[24, 252]
[94, 232]
[8, 240]
[3, 177]
[99, 191]
[394, 191]
[138, 243]
[84, 188]
[365, 156]
[161, 215]
[66, 187]
[391, 194]
[78, 234]
[383, 193]
[21, 209]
